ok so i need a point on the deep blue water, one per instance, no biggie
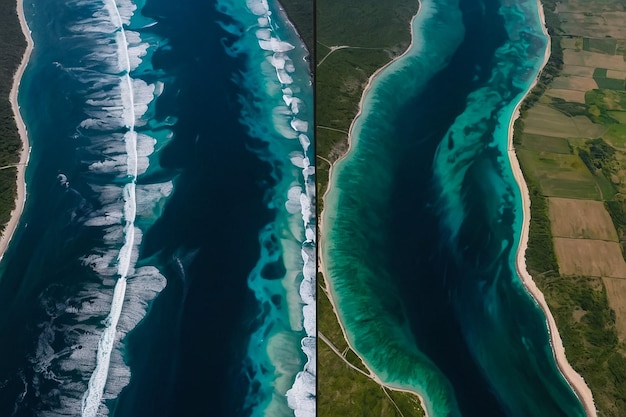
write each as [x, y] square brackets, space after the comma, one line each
[423, 218]
[157, 165]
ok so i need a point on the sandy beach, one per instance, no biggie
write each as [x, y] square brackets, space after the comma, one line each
[321, 266]
[573, 378]
[21, 167]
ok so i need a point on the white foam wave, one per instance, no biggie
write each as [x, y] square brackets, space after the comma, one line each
[284, 77]
[277, 73]
[302, 395]
[258, 7]
[299, 125]
[119, 102]
[304, 141]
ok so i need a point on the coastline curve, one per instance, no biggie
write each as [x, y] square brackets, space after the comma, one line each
[573, 378]
[20, 200]
[321, 265]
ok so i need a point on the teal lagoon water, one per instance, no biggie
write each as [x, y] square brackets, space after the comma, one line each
[423, 217]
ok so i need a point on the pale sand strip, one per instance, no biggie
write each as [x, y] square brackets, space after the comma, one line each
[21, 167]
[573, 378]
[322, 268]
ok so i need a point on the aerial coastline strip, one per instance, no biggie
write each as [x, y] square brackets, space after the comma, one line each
[573, 378]
[322, 268]
[25, 153]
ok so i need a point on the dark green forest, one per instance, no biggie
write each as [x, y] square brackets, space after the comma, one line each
[12, 47]
[301, 14]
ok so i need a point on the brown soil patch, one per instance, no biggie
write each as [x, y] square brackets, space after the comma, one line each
[578, 314]
[594, 59]
[585, 219]
[615, 27]
[620, 75]
[608, 24]
[574, 82]
[581, 71]
[595, 258]
[616, 294]
[568, 95]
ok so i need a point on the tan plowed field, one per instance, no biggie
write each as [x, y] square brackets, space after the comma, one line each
[595, 258]
[586, 219]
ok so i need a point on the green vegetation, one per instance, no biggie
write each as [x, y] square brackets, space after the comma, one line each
[601, 102]
[601, 156]
[540, 256]
[616, 135]
[301, 14]
[342, 74]
[12, 45]
[605, 45]
[541, 143]
[8, 191]
[569, 167]
[619, 116]
[343, 391]
[351, 45]
[587, 326]
[559, 175]
[617, 210]
[609, 83]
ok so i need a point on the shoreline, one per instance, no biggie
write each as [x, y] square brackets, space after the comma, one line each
[20, 200]
[282, 10]
[575, 381]
[321, 266]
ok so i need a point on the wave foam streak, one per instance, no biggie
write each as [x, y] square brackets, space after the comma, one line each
[114, 145]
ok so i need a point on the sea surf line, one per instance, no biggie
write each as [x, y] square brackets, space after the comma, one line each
[93, 395]
[282, 121]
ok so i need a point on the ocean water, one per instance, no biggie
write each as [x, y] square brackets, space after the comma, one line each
[423, 217]
[164, 262]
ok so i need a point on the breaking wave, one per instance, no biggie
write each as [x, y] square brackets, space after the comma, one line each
[283, 383]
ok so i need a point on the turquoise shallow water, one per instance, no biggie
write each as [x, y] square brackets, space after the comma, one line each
[423, 219]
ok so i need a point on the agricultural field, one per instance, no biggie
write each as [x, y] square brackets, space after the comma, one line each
[581, 219]
[572, 148]
[560, 175]
[588, 257]
[616, 293]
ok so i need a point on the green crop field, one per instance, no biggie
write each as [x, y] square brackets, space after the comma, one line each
[542, 143]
